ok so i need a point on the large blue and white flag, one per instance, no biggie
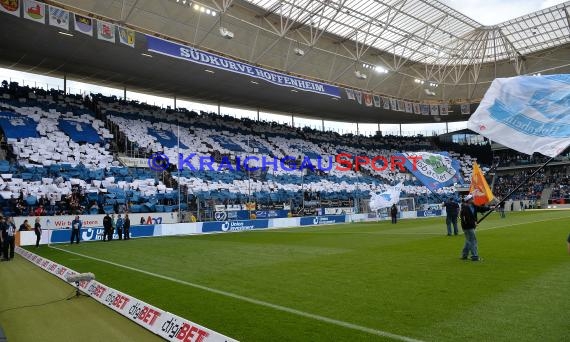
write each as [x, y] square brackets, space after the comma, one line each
[386, 198]
[526, 113]
[434, 170]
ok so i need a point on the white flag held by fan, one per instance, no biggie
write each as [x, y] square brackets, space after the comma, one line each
[386, 198]
[526, 113]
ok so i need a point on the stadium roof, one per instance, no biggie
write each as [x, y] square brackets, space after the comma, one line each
[426, 31]
[412, 50]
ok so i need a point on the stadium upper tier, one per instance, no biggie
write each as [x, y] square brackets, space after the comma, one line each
[64, 152]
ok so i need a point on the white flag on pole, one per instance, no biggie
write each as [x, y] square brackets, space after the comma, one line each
[526, 113]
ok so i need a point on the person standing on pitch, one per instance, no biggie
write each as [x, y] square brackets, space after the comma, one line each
[38, 231]
[394, 213]
[468, 224]
[113, 226]
[452, 210]
[120, 223]
[502, 209]
[127, 227]
[8, 237]
[75, 229]
[568, 240]
[107, 228]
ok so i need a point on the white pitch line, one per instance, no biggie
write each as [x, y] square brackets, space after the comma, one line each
[256, 301]
[383, 232]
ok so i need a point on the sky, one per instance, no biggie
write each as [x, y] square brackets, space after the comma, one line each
[492, 12]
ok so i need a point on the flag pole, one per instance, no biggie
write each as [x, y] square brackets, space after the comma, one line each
[516, 188]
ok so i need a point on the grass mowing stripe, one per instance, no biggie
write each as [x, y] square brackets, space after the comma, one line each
[255, 301]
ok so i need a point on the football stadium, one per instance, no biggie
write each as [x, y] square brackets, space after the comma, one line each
[284, 170]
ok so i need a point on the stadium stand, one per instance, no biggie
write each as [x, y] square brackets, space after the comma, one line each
[66, 158]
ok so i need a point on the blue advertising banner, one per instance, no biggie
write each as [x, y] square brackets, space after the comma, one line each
[234, 226]
[231, 215]
[94, 234]
[318, 220]
[190, 54]
[271, 214]
[429, 213]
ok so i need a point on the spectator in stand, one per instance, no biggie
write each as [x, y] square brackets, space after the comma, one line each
[142, 220]
[127, 227]
[452, 210]
[39, 211]
[38, 231]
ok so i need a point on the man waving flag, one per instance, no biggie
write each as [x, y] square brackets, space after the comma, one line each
[479, 188]
[526, 113]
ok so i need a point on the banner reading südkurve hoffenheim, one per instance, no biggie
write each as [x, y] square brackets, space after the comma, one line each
[526, 113]
[434, 170]
[190, 54]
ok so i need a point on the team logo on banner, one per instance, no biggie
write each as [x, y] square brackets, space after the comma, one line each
[59, 18]
[358, 95]
[444, 109]
[465, 109]
[105, 31]
[409, 107]
[350, 94]
[417, 109]
[386, 102]
[401, 106]
[434, 170]
[393, 104]
[35, 11]
[84, 25]
[368, 100]
[126, 36]
[377, 101]
[10, 6]
[434, 109]
[425, 109]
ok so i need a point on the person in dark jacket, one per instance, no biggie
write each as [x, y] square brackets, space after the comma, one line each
[8, 229]
[38, 231]
[127, 227]
[394, 213]
[452, 210]
[468, 224]
[75, 230]
[107, 228]
[120, 223]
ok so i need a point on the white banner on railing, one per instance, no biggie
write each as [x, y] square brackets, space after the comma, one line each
[158, 321]
[92, 221]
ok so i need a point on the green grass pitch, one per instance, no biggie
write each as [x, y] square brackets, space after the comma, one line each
[354, 282]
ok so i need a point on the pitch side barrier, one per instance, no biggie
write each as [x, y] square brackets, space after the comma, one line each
[95, 233]
[160, 322]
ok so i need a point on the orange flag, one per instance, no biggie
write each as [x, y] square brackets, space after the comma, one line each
[479, 188]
